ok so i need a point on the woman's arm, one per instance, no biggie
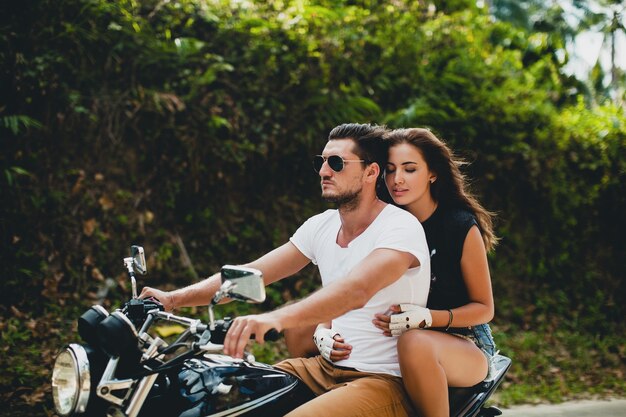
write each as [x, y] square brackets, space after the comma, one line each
[475, 271]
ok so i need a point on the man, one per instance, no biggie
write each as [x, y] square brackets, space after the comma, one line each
[370, 255]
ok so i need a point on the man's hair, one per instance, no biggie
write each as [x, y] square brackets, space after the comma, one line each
[368, 141]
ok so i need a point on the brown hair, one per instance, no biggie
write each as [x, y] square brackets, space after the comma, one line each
[368, 140]
[450, 188]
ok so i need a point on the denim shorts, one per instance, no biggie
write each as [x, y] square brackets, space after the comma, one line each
[480, 335]
[484, 339]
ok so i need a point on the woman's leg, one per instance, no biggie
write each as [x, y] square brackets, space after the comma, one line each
[299, 342]
[431, 361]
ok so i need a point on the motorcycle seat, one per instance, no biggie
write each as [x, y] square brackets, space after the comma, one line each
[467, 401]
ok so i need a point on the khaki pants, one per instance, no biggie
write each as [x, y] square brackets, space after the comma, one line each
[344, 392]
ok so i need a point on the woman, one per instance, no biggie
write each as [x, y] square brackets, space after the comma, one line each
[423, 177]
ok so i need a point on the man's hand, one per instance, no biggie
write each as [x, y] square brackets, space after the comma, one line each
[163, 297]
[411, 317]
[239, 333]
[330, 344]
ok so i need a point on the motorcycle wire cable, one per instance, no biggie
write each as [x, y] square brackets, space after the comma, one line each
[165, 366]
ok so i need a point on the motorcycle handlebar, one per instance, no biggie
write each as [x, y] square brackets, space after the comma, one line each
[141, 313]
[222, 326]
[272, 335]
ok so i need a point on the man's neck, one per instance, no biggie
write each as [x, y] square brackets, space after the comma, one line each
[355, 220]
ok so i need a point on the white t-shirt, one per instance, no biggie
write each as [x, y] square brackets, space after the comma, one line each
[393, 228]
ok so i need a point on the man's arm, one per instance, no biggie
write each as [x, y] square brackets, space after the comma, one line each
[378, 270]
[283, 261]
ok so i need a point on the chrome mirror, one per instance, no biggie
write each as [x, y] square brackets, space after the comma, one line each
[136, 263]
[242, 283]
[139, 260]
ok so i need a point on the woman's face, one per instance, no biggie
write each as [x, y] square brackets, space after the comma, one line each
[407, 175]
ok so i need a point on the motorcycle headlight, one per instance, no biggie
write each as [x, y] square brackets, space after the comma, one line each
[71, 380]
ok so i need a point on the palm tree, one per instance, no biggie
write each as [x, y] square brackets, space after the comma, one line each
[614, 29]
[572, 23]
[606, 18]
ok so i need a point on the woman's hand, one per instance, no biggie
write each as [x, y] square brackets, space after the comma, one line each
[330, 344]
[411, 316]
[382, 320]
[400, 318]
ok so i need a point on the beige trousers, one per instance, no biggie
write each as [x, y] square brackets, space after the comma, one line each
[344, 392]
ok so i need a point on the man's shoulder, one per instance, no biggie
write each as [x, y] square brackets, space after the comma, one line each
[395, 221]
[393, 213]
[325, 215]
[321, 218]
[390, 208]
[328, 213]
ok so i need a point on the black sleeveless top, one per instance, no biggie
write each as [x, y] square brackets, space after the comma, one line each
[446, 230]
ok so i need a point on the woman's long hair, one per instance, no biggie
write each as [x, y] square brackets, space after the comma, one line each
[450, 187]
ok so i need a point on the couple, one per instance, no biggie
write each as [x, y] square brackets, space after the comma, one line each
[372, 255]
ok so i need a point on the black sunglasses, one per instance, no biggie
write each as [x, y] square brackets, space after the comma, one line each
[335, 162]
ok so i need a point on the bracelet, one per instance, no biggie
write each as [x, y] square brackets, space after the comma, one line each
[449, 319]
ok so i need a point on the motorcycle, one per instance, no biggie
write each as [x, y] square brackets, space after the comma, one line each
[122, 369]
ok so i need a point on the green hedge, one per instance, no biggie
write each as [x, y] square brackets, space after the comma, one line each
[191, 124]
[187, 127]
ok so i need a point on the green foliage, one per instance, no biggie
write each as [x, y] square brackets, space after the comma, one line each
[187, 127]
[566, 25]
[557, 374]
[18, 123]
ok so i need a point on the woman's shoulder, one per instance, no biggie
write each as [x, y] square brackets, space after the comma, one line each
[457, 213]
[459, 218]
[456, 223]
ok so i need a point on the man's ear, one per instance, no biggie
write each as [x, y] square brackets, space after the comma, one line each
[372, 172]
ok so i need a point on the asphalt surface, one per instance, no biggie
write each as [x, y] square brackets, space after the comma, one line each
[608, 408]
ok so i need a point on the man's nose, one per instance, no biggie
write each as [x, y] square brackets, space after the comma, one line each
[325, 170]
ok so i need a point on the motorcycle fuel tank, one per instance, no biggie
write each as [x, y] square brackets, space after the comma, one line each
[218, 385]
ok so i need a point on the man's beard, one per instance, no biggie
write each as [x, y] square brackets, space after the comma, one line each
[347, 201]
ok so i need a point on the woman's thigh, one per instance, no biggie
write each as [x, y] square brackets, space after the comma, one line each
[462, 361]
[299, 342]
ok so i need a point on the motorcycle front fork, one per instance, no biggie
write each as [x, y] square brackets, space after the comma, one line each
[116, 391]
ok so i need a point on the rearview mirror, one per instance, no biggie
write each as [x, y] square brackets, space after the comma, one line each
[139, 260]
[242, 283]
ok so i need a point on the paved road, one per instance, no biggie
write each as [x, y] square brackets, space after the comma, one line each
[608, 408]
